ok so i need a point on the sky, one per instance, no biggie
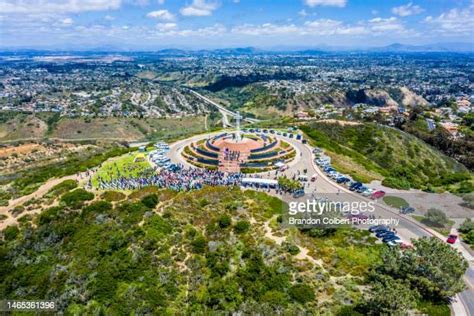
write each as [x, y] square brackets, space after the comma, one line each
[206, 24]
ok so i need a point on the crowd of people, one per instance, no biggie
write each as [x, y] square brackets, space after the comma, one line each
[179, 179]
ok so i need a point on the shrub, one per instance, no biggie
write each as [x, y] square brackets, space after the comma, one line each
[61, 188]
[302, 293]
[199, 244]
[435, 217]
[242, 227]
[113, 196]
[150, 201]
[466, 226]
[292, 249]
[11, 232]
[225, 221]
[469, 237]
[76, 198]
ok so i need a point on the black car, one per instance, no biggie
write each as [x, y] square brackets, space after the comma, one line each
[384, 233]
[407, 210]
[378, 228]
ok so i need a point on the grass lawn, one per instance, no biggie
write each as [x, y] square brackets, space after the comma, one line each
[433, 309]
[395, 201]
[124, 166]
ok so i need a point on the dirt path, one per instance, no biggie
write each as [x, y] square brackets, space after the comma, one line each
[42, 190]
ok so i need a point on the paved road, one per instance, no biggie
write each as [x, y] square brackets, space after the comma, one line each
[222, 109]
[324, 187]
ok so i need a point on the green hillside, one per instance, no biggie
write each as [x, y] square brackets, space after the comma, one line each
[369, 151]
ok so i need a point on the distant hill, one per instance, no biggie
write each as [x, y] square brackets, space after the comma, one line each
[368, 151]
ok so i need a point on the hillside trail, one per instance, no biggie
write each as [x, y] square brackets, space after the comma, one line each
[303, 253]
[39, 193]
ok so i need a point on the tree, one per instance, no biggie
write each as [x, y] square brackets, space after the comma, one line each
[435, 217]
[242, 227]
[432, 267]
[199, 244]
[225, 221]
[469, 237]
[302, 293]
[76, 198]
[391, 297]
[10, 232]
[466, 226]
[150, 201]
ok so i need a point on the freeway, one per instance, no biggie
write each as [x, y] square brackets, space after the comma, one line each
[225, 112]
[408, 228]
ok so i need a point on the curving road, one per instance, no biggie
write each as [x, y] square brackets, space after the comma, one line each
[408, 228]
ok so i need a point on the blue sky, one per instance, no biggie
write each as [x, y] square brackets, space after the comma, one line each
[196, 24]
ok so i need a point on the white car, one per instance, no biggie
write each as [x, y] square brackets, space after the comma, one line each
[368, 192]
[395, 242]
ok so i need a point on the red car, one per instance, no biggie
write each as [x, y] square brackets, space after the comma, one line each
[404, 246]
[377, 195]
[452, 239]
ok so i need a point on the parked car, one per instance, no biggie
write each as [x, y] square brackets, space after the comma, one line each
[354, 186]
[284, 167]
[407, 210]
[378, 228]
[361, 189]
[452, 239]
[342, 180]
[395, 242]
[368, 192]
[377, 195]
[303, 178]
[298, 194]
[386, 239]
[383, 233]
[406, 246]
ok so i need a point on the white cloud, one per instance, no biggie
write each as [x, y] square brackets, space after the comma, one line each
[164, 15]
[303, 13]
[199, 8]
[392, 25]
[328, 27]
[109, 18]
[408, 9]
[67, 21]
[332, 3]
[57, 6]
[454, 22]
[164, 27]
[170, 30]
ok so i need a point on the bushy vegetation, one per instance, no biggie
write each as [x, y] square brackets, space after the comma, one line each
[206, 252]
[288, 184]
[467, 231]
[113, 196]
[28, 181]
[125, 258]
[404, 161]
[61, 188]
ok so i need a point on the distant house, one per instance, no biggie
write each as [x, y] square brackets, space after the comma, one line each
[430, 124]
[452, 128]
[302, 115]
